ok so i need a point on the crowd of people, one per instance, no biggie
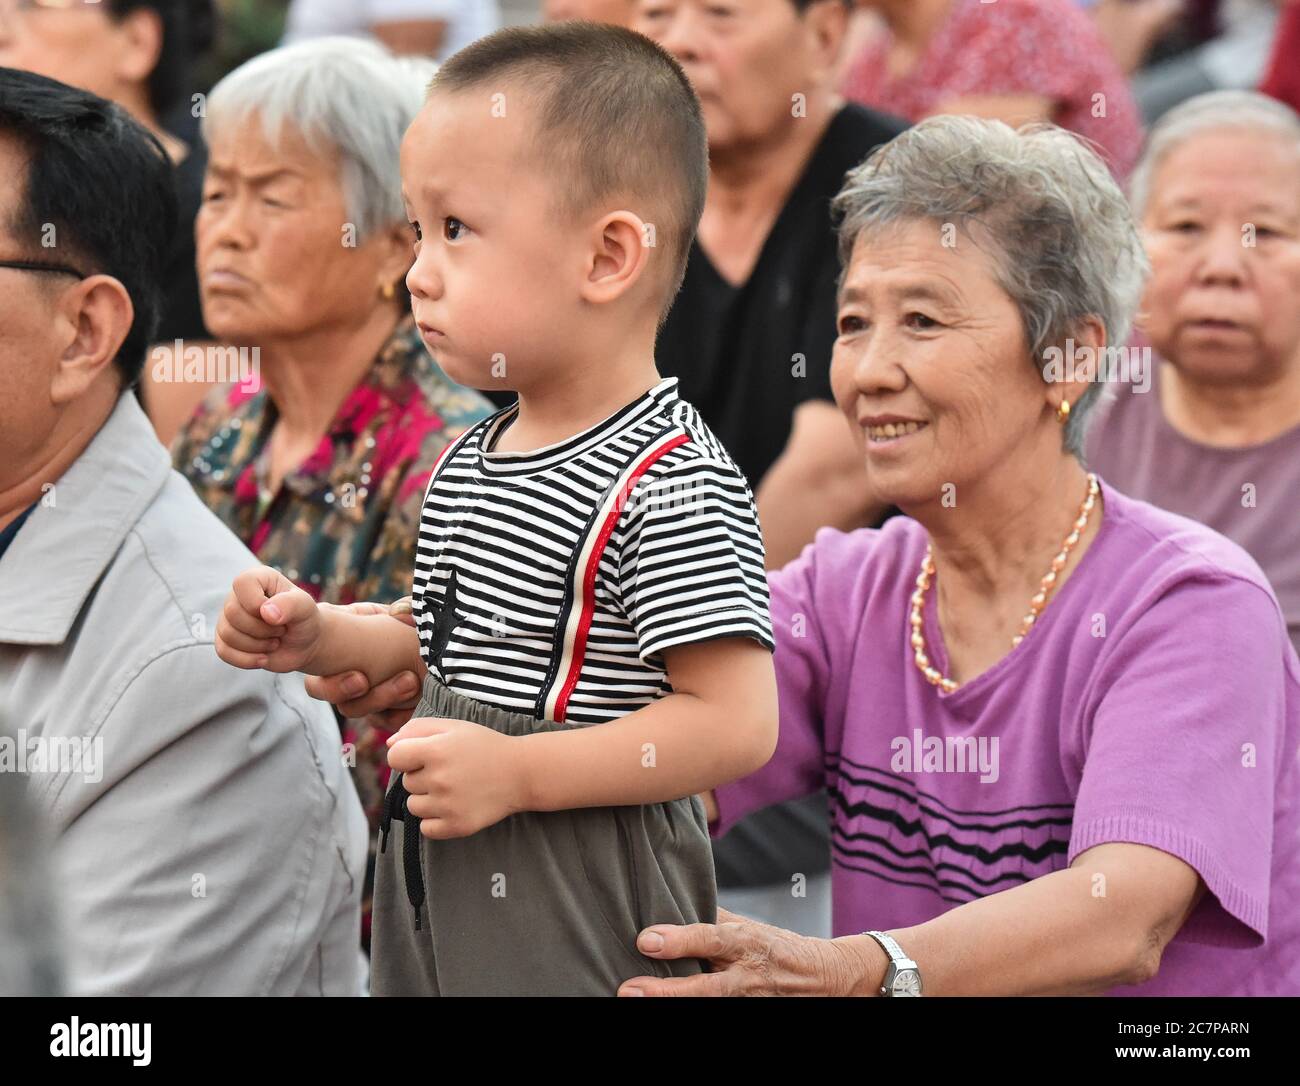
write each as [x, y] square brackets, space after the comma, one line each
[881, 420]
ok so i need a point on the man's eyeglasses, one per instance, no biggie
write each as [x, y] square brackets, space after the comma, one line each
[37, 266]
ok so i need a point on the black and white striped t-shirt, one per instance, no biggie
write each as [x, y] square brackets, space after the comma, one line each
[550, 582]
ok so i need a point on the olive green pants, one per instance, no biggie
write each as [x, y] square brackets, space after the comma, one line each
[542, 903]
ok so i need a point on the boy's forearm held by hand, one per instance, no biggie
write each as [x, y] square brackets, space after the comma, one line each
[270, 623]
[379, 646]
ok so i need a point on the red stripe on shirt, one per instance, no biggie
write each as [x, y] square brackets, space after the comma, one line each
[589, 576]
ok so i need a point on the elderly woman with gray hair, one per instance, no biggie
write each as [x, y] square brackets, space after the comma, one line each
[1058, 726]
[318, 454]
[1210, 426]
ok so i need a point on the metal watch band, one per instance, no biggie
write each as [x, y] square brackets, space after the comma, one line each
[890, 944]
[898, 959]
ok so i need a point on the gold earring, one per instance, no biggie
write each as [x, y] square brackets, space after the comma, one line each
[387, 291]
[1063, 412]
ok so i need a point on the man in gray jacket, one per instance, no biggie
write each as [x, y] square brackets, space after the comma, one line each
[208, 837]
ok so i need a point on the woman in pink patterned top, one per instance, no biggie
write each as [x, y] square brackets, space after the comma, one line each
[1014, 60]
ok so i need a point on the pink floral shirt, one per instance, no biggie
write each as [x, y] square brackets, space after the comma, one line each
[1041, 47]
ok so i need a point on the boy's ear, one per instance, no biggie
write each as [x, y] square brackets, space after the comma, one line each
[619, 256]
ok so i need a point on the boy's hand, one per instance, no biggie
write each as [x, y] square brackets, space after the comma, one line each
[268, 622]
[461, 776]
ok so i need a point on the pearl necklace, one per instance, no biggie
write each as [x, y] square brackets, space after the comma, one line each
[1036, 604]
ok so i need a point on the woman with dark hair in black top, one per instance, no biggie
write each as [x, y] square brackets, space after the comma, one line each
[140, 54]
[750, 334]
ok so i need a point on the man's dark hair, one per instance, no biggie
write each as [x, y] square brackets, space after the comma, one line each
[618, 118]
[105, 186]
[188, 32]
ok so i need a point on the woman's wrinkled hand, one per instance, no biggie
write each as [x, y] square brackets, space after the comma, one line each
[749, 958]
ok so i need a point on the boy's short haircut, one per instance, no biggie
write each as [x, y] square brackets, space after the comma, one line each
[618, 118]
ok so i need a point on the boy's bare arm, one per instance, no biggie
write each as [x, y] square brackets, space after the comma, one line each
[379, 646]
[719, 724]
[269, 622]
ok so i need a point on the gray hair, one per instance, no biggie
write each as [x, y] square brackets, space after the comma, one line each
[1064, 242]
[344, 95]
[1218, 110]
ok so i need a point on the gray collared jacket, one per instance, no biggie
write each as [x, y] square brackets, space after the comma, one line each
[209, 837]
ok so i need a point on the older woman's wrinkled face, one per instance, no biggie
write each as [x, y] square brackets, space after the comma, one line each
[1222, 227]
[931, 365]
[276, 257]
[746, 59]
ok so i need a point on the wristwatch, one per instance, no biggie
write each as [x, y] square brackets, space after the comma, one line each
[903, 977]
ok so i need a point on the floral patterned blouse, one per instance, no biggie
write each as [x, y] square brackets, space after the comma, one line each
[1043, 47]
[344, 524]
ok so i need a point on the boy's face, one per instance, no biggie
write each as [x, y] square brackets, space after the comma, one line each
[494, 286]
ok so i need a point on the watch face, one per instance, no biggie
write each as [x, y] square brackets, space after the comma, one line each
[907, 983]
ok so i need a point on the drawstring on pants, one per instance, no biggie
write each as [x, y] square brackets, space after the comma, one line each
[395, 807]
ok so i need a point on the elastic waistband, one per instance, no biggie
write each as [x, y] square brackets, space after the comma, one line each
[438, 699]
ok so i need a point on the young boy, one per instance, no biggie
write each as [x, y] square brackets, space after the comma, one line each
[589, 592]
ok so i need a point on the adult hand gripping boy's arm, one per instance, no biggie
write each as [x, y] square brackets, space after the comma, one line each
[719, 724]
[387, 704]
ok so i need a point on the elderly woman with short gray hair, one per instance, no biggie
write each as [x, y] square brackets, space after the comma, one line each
[317, 458]
[1058, 726]
[1211, 430]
